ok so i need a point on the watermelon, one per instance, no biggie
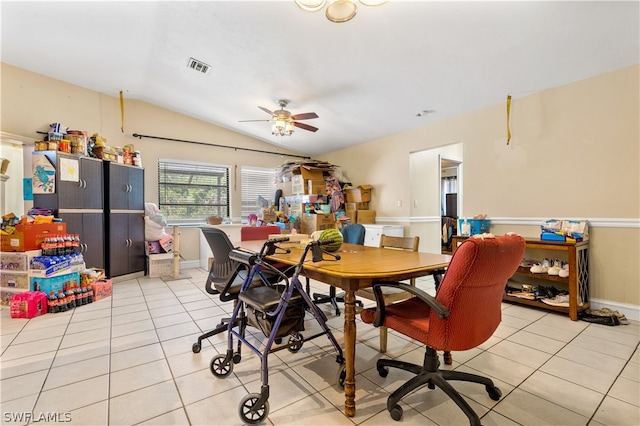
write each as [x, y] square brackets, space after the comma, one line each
[331, 234]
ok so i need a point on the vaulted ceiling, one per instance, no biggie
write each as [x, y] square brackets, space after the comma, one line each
[367, 78]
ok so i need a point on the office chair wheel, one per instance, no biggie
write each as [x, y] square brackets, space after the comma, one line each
[196, 348]
[396, 413]
[342, 375]
[248, 411]
[494, 392]
[383, 371]
[219, 367]
[295, 342]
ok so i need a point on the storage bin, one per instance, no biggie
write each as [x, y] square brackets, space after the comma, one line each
[478, 226]
[160, 265]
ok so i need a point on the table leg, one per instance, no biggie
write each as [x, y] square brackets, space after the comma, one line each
[350, 353]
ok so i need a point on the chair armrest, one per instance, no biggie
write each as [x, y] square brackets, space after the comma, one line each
[437, 307]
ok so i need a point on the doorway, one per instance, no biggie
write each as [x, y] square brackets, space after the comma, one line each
[425, 188]
[450, 197]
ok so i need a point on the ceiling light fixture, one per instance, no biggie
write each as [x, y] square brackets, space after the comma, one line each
[283, 127]
[337, 10]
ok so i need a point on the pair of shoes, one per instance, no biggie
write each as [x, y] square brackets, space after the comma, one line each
[559, 300]
[599, 319]
[538, 269]
[606, 312]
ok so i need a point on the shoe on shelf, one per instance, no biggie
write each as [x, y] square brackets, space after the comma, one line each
[554, 270]
[538, 269]
[563, 273]
[559, 300]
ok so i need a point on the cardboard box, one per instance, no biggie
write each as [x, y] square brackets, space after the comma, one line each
[358, 194]
[285, 187]
[310, 222]
[29, 236]
[309, 172]
[352, 214]
[356, 206]
[366, 216]
[301, 186]
[17, 279]
[167, 244]
[102, 289]
[28, 305]
[17, 261]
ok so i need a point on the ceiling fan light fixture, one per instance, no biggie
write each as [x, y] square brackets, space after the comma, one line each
[310, 5]
[341, 11]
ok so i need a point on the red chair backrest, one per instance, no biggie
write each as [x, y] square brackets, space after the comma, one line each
[472, 291]
[258, 232]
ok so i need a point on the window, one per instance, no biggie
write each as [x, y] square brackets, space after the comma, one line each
[189, 191]
[258, 189]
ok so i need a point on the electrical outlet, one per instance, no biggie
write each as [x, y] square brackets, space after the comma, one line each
[399, 203]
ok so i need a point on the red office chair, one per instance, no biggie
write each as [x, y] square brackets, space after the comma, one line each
[464, 313]
[258, 232]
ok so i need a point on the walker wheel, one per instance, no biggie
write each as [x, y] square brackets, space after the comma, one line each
[295, 342]
[248, 411]
[196, 348]
[342, 375]
[219, 367]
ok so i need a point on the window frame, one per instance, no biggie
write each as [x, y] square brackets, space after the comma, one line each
[163, 205]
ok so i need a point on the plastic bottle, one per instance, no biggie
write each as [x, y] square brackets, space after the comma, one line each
[76, 243]
[68, 244]
[62, 301]
[52, 303]
[89, 293]
[466, 228]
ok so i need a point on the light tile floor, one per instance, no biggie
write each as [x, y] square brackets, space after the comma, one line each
[127, 360]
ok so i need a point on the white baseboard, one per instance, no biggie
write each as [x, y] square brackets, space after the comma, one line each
[187, 264]
[632, 312]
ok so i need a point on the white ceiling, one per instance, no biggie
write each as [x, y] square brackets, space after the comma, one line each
[366, 78]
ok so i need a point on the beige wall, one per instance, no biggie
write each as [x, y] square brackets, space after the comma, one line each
[574, 153]
[31, 101]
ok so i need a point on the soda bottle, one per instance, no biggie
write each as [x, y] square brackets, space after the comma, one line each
[89, 293]
[68, 244]
[60, 245]
[71, 298]
[62, 301]
[52, 303]
[76, 243]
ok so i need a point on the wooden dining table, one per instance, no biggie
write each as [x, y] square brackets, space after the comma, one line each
[358, 267]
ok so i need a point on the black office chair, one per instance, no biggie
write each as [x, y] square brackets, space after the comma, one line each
[225, 278]
[352, 234]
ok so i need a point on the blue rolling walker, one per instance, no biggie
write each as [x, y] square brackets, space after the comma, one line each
[278, 310]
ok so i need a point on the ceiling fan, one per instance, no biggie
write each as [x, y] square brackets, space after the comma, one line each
[284, 122]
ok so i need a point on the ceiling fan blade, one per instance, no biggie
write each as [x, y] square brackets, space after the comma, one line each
[305, 126]
[265, 110]
[246, 121]
[304, 116]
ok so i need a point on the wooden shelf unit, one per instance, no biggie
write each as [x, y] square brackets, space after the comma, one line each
[577, 283]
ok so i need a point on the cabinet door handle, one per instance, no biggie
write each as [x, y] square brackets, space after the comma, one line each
[130, 188]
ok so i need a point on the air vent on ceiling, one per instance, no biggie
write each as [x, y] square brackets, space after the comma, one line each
[199, 66]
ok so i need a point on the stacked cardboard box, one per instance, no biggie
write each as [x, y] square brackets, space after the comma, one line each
[357, 204]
